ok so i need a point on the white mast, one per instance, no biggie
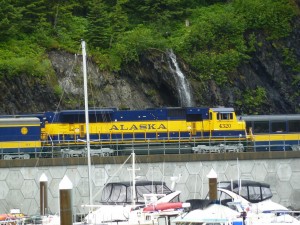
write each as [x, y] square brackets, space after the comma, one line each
[133, 179]
[133, 191]
[86, 109]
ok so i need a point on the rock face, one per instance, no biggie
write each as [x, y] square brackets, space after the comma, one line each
[149, 83]
[273, 67]
[24, 94]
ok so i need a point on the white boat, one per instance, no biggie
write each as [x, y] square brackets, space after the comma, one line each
[239, 203]
[254, 196]
[116, 204]
[255, 199]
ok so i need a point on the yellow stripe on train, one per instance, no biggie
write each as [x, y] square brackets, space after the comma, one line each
[20, 144]
[276, 137]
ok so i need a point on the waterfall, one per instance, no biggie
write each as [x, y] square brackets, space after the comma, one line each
[183, 86]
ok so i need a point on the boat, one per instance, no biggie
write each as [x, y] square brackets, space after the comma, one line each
[13, 217]
[238, 203]
[158, 211]
[116, 203]
[255, 199]
[253, 195]
[51, 219]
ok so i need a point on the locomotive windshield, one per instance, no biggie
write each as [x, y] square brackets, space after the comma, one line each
[225, 116]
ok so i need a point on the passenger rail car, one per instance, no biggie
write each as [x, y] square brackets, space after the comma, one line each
[274, 132]
[19, 136]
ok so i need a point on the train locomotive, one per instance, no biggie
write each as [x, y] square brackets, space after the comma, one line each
[118, 132]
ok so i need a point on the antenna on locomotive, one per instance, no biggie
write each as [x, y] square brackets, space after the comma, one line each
[86, 110]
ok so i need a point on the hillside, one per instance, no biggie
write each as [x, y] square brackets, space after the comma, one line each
[242, 54]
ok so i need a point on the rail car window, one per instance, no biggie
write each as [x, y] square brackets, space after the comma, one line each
[261, 127]
[278, 126]
[224, 116]
[193, 117]
[294, 125]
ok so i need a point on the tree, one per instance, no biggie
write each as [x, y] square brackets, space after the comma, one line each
[98, 31]
[10, 16]
[34, 14]
[119, 22]
[155, 11]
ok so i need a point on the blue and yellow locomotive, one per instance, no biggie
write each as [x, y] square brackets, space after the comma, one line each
[110, 126]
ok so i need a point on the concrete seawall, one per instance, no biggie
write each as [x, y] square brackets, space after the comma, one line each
[19, 179]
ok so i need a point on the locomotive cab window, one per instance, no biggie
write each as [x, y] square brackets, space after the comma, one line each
[225, 116]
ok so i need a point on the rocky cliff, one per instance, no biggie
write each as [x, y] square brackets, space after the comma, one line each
[267, 83]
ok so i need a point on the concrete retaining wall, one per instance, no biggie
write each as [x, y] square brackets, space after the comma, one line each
[19, 183]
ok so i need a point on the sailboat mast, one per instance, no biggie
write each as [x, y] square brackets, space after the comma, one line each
[133, 179]
[86, 109]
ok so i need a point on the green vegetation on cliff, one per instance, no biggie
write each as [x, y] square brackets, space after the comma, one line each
[213, 36]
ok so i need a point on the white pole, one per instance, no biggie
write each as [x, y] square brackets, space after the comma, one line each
[238, 171]
[87, 119]
[43, 194]
[133, 179]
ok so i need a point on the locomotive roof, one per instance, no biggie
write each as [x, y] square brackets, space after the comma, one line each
[20, 121]
[271, 117]
[223, 109]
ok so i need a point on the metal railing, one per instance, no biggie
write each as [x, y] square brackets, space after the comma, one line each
[182, 145]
